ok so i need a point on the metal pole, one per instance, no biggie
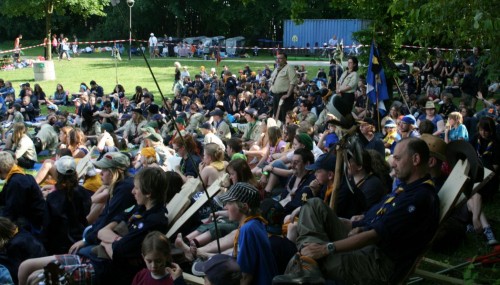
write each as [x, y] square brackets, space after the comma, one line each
[130, 36]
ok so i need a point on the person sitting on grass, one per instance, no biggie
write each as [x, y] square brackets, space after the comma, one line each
[16, 246]
[23, 146]
[21, 199]
[118, 257]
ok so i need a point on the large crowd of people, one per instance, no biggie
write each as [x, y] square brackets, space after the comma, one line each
[97, 204]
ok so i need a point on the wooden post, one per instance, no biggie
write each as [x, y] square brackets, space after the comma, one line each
[338, 175]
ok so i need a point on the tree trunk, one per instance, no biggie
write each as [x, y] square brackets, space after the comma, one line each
[48, 28]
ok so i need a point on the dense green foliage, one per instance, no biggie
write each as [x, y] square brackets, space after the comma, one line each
[454, 24]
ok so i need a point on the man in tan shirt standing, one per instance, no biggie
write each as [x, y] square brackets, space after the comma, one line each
[283, 80]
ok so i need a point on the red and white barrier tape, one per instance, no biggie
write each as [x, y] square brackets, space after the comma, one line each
[24, 48]
[248, 48]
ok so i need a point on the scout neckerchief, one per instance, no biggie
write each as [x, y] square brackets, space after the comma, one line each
[278, 72]
[219, 165]
[217, 124]
[246, 220]
[487, 149]
[251, 126]
[301, 183]
[16, 169]
[329, 191]
[389, 201]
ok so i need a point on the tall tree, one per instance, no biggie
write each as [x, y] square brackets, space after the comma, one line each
[39, 9]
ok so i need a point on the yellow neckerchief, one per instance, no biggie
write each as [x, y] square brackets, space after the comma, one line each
[16, 231]
[329, 191]
[246, 220]
[16, 169]
[219, 165]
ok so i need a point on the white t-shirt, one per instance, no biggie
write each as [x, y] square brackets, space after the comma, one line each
[153, 41]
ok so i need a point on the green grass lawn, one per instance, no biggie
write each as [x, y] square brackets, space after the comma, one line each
[106, 71]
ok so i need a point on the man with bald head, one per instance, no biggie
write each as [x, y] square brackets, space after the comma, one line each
[381, 246]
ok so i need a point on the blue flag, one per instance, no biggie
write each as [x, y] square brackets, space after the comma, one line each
[375, 79]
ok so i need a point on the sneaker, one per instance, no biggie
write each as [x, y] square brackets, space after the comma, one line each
[490, 236]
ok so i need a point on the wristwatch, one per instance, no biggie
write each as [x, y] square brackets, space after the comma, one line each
[330, 247]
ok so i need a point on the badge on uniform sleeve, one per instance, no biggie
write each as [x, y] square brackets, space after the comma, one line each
[411, 209]
[140, 225]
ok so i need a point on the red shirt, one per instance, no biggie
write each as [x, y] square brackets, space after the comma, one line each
[144, 277]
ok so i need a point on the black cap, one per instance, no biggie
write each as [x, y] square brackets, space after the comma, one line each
[217, 112]
[153, 109]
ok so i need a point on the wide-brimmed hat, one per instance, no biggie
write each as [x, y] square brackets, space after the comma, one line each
[437, 146]
[461, 150]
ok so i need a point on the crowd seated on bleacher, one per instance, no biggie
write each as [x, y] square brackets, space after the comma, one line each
[87, 185]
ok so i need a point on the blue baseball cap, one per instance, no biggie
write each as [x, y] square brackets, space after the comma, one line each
[325, 161]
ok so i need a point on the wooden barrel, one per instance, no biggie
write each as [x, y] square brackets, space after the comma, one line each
[44, 70]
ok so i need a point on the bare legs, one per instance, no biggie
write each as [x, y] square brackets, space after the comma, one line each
[226, 243]
[48, 168]
[29, 266]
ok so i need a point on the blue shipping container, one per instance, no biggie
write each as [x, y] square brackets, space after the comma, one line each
[321, 31]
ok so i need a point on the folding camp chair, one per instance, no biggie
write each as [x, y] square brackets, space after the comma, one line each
[450, 194]
[212, 191]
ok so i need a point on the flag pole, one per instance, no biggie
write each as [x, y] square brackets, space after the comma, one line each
[401, 93]
[377, 91]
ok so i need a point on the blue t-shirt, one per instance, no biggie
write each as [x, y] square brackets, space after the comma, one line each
[255, 256]
[434, 121]
[3, 109]
[459, 132]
